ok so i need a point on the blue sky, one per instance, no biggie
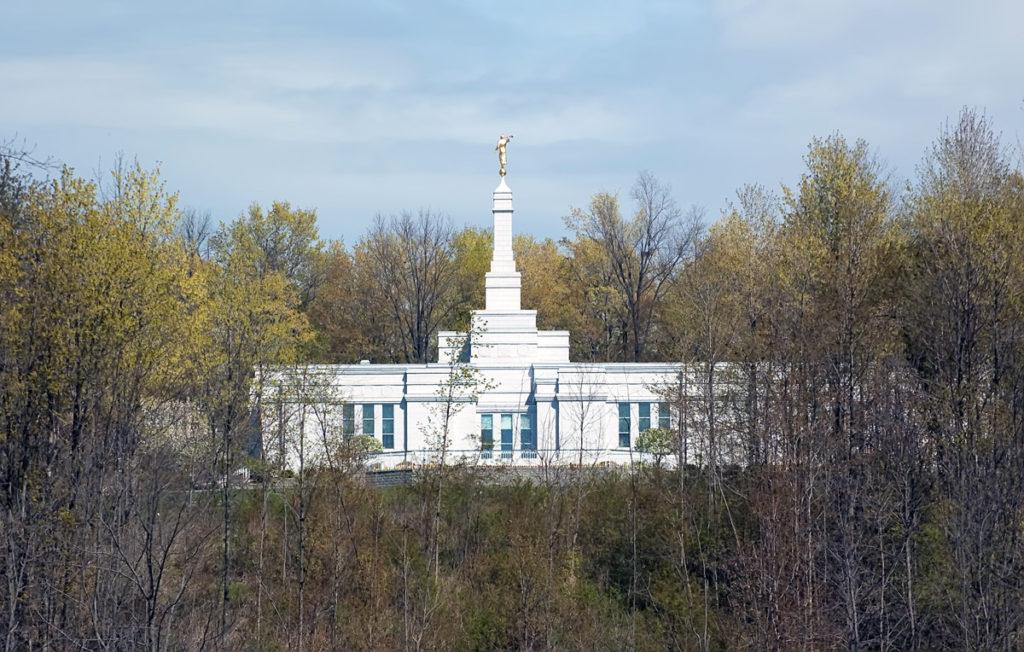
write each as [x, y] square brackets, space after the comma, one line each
[362, 108]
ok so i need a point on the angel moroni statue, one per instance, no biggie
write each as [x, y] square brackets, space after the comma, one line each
[502, 155]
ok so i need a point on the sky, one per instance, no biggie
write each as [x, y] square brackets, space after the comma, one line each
[362, 108]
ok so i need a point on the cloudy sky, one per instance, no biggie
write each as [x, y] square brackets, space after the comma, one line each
[358, 108]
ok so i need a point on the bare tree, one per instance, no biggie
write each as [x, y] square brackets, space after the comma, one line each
[461, 386]
[643, 254]
[412, 267]
[583, 422]
[195, 230]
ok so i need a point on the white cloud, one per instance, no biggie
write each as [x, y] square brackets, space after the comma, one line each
[754, 24]
[65, 91]
[287, 69]
[716, 97]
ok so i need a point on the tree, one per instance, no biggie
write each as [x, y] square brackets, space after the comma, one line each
[963, 328]
[546, 285]
[471, 251]
[349, 326]
[722, 306]
[288, 243]
[195, 229]
[640, 255]
[657, 442]
[96, 339]
[253, 326]
[461, 386]
[599, 334]
[15, 185]
[839, 241]
[410, 264]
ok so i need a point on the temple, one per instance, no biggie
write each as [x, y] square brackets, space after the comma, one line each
[504, 393]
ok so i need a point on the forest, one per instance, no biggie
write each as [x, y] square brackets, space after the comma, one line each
[861, 485]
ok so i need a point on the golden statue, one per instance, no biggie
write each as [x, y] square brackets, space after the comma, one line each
[502, 156]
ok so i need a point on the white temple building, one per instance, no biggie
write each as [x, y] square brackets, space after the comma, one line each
[510, 392]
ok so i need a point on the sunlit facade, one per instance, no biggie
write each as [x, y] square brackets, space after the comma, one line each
[504, 393]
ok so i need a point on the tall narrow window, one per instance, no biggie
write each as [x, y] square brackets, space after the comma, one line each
[486, 435]
[644, 422]
[624, 425]
[527, 437]
[664, 416]
[348, 419]
[506, 436]
[368, 419]
[387, 426]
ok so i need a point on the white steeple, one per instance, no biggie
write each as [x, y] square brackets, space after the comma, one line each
[502, 283]
[503, 333]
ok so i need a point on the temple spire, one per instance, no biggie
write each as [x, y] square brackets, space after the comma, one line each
[502, 260]
[503, 282]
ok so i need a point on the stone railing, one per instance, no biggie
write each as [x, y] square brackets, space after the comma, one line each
[506, 457]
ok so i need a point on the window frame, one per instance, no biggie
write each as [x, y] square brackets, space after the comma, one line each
[625, 426]
[348, 419]
[527, 435]
[643, 421]
[387, 426]
[664, 415]
[368, 423]
[507, 435]
[486, 435]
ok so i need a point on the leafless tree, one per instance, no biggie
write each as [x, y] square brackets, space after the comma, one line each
[641, 254]
[195, 229]
[413, 269]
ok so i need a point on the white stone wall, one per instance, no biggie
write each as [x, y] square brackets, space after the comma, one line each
[573, 409]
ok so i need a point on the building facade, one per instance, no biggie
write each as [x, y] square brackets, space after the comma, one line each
[504, 393]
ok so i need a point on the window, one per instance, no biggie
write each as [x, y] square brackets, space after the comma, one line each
[486, 435]
[644, 422]
[368, 419]
[387, 426]
[664, 416]
[506, 436]
[527, 439]
[624, 425]
[348, 419]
